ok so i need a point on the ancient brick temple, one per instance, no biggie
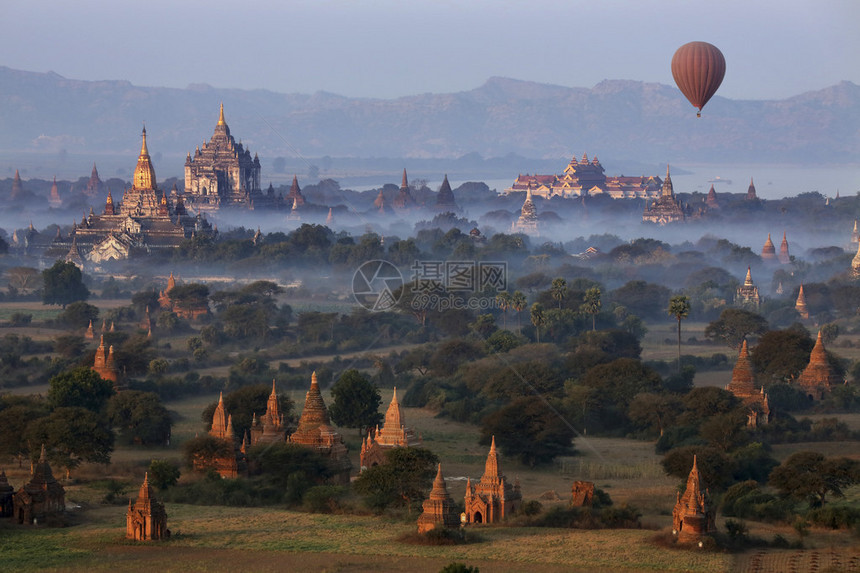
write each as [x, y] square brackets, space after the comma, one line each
[768, 251]
[819, 377]
[784, 256]
[693, 516]
[439, 511]
[582, 494]
[528, 220]
[42, 498]
[666, 209]
[269, 428]
[855, 262]
[800, 305]
[445, 198]
[394, 434]
[315, 431]
[104, 364]
[146, 221]
[493, 498]
[404, 200]
[223, 174]
[747, 293]
[191, 310]
[7, 492]
[146, 519]
[743, 387]
[227, 465]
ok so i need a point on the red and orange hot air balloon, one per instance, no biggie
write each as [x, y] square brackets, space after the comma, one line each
[698, 69]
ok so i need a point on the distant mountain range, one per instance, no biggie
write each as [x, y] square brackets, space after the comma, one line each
[626, 120]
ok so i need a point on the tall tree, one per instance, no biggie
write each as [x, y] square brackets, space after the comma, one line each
[518, 303]
[591, 305]
[811, 476]
[538, 318]
[404, 478]
[355, 402]
[734, 325]
[74, 435]
[503, 300]
[530, 430]
[62, 284]
[679, 307]
[141, 417]
[81, 388]
[558, 290]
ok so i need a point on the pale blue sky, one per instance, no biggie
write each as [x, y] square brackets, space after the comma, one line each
[387, 48]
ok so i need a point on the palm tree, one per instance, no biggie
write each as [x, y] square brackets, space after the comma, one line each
[518, 303]
[591, 304]
[558, 290]
[679, 307]
[503, 299]
[538, 318]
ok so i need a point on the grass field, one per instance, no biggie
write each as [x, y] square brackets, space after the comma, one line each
[272, 539]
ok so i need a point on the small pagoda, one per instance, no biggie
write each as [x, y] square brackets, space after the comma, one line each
[742, 385]
[315, 432]
[855, 264]
[269, 428]
[528, 221]
[667, 209]
[404, 200]
[800, 305]
[394, 434]
[768, 251]
[226, 463]
[747, 294]
[693, 516]
[104, 364]
[711, 201]
[439, 511]
[445, 202]
[42, 498]
[493, 498]
[819, 377]
[784, 257]
[146, 519]
[7, 493]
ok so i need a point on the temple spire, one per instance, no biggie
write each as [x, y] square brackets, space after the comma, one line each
[221, 116]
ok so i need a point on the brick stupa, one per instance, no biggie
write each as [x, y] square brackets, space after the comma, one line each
[743, 387]
[104, 364]
[784, 257]
[493, 498]
[693, 516]
[768, 251]
[146, 519]
[226, 462]
[315, 431]
[800, 305]
[819, 377]
[439, 511]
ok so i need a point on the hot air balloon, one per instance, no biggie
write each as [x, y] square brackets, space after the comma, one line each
[698, 69]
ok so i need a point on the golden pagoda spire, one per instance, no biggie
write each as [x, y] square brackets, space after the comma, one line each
[144, 173]
[143, 149]
[221, 116]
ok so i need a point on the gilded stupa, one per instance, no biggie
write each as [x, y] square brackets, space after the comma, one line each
[146, 221]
